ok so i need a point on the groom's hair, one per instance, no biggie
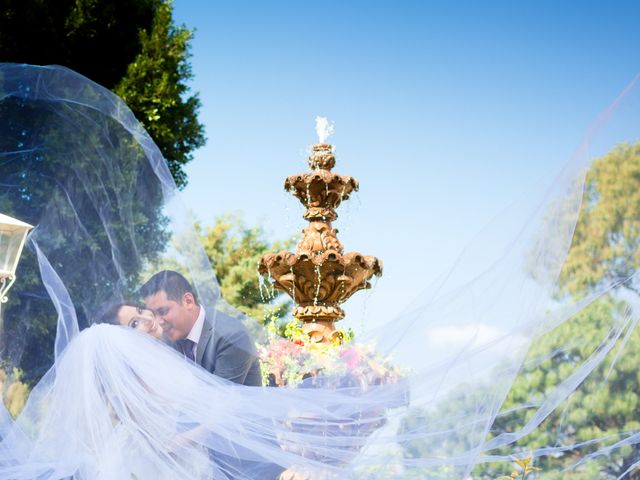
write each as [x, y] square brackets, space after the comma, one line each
[170, 282]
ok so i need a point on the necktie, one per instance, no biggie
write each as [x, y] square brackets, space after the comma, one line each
[188, 348]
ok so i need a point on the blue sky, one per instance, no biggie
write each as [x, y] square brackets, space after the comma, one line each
[445, 112]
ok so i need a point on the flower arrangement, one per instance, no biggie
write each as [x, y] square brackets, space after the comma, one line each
[289, 359]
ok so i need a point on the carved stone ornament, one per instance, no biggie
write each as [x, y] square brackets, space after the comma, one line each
[319, 276]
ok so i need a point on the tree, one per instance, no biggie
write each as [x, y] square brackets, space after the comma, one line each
[98, 39]
[132, 47]
[602, 407]
[605, 405]
[234, 251]
[85, 183]
[604, 249]
[129, 46]
[154, 88]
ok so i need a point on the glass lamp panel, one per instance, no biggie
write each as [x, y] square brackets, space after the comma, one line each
[10, 246]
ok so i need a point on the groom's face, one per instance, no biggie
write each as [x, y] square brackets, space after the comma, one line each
[176, 317]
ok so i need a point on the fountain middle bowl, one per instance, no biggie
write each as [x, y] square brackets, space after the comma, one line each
[327, 277]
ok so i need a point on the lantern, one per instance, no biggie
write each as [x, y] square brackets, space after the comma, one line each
[13, 234]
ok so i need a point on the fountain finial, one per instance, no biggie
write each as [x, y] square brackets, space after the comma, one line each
[322, 157]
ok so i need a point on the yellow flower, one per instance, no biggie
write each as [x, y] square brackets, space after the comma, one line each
[525, 465]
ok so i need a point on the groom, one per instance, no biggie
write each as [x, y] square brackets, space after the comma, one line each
[210, 338]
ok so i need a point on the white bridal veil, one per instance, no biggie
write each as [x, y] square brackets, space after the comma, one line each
[544, 366]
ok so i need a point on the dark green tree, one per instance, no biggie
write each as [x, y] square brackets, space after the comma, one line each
[85, 183]
[155, 89]
[129, 46]
[98, 39]
[133, 48]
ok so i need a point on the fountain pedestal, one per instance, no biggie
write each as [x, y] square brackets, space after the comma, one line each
[319, 276]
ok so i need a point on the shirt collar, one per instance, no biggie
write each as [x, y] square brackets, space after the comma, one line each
[196, 330]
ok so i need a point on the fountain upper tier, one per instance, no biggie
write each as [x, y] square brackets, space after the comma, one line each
[319, 276]
[321, 191]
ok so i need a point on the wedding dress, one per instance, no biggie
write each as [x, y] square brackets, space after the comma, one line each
[120, 404]
[115, 403]
[123, 405]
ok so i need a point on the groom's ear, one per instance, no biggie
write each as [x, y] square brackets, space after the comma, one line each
[188, 300]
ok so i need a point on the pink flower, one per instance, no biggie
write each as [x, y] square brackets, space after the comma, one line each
[350, 357]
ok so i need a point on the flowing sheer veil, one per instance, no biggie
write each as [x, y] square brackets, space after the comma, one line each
[114, 403]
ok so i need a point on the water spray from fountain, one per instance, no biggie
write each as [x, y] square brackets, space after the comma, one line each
[324, 128]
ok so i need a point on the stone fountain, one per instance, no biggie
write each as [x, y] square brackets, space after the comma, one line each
[319, 276]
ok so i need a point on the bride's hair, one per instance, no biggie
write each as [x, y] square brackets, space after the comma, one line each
[108, 313]
[170, 282]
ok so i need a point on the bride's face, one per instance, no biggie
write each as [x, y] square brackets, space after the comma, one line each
[141, 319]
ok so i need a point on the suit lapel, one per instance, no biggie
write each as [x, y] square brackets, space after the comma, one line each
[205, 338]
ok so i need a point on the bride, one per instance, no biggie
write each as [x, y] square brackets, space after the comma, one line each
[121, 404]
[117, 403]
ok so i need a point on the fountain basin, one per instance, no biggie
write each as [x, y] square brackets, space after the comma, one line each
[319, 281]
[321, 192]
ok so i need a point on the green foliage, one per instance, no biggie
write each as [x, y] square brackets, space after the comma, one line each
[98, 39]
[154, 88]
[234, 251]
[129, 46]
[132, 47]
[601, 407]
[607, 235]
[453, 425]
[605, 406]
[97, 244]
[13, 392]
[292, 330]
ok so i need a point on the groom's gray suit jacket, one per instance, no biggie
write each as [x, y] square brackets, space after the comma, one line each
[227, 350]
